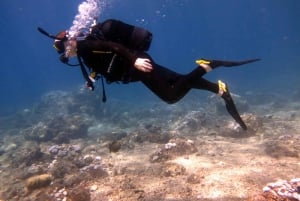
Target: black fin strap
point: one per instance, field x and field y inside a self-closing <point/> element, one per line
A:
<point x="85" y="74"/>
<point x="103" y="90"/>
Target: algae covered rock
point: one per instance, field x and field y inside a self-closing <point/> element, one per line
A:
<point x="38" y="181"/>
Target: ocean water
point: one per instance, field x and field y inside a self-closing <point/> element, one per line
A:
<point x="184" y="30"/>
<point x="58" y="141"/>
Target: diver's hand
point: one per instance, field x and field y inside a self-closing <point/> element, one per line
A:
<point x="143" y="65"/>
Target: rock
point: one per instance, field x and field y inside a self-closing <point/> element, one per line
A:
<point x="172" y="170"/>
<point x="62" y="153"/>
<point x="93" y="188"/>
<point x="65" y="150"/>
<point x="34" y="170"/>
<point x="193" y="179"/>
<point x="75" y="147"/>
<point x="281" y="190"/>
<point x="88" y="159"/>
<point x="60" y="168"/>
<point x="38" y="181"/>
<point x="53" y="150"/>
<point x="73" y="179"/>
<point x="58" y="129"/>
<point x="80" y="194"/>
<point x="175" y="147"/>
<point x="28" y="155"/>
<point x="10" y="147"/>
<point x="114" y="146"/>
<point x="142" y="135"/>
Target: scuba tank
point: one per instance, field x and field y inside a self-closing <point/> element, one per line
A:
<point x="130" y="36"/>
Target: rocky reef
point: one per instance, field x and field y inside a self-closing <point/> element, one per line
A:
<point x="71" y="147"/>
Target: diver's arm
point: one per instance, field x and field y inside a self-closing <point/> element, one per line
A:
<point x="141" y="64"/>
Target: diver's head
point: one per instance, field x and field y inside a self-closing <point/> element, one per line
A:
<point x="59" y="41"/>
<point x="65" y="45"/>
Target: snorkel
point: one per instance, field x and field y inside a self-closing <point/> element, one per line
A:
<point x="42" y="31"/>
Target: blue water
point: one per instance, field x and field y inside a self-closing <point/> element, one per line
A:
<point x="184" y="30"/>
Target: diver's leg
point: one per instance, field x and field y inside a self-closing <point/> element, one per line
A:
<point x="222" y="90"/>
<point x="212" y="64"/>
<point x="162" y="81"/>
<point x="230" y="106"/>
<point x="166" y="84"/>
<point x="171" y="87"/>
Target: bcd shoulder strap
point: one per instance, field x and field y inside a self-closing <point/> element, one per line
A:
<point x="90" y="83"/>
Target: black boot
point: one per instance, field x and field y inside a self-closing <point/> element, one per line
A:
<point x="216" y="63"/>
<point x="230" y="106"/>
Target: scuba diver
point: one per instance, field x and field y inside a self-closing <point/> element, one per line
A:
<point x="117" y="51"/>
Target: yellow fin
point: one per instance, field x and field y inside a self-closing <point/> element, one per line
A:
<point x="202" y="61"/>
<point x="222" y="86"/>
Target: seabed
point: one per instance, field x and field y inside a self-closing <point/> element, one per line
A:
<point x="71" y="147"/>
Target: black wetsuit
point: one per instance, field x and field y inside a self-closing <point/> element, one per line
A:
<point x="116" y="63"/>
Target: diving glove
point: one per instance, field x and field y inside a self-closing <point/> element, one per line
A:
<point x="230" y="106"/>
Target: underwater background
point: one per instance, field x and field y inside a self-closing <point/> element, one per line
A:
<point x="184" y="30"/>
<point x="60" y="142"/>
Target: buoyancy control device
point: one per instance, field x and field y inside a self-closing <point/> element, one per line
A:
<point x="132" y="37"/>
